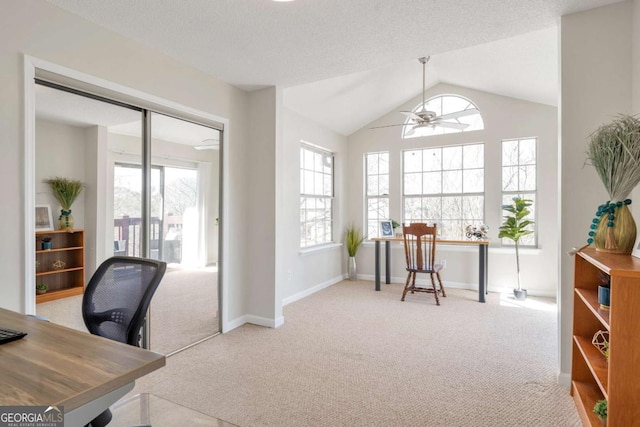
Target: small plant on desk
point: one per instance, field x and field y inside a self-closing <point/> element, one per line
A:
<point x="41" y="289"/>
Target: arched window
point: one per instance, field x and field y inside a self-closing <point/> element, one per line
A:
<point x="453" y="114"/>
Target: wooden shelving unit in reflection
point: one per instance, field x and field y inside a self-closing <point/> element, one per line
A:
<point x="592" y="377"/>
<point x="68" y="247"/>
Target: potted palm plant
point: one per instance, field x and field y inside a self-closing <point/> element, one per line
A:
<point x="66" y="192"/>
<point x="514" y="228"/>
<point x="354" y="239"/>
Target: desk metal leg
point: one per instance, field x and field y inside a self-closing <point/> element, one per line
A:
<point x="377" y="268"/>
<point x="482" y="271"/>
<point x="387" y="264"/>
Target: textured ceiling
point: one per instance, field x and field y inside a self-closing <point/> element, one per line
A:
<point x="257" y="43"/>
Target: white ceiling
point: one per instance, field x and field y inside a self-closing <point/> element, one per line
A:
<point x="491" y="45"/>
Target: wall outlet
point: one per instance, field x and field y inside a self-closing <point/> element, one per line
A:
<point x="443" y="262"/>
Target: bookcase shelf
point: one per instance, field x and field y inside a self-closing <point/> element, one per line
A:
<point x="592" y="377"/>
<point x="66" y="278"/>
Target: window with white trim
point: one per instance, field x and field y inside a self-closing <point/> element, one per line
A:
<point x="519" y="179"/>
<point x="316" y="196"/>
<point x="444" y="185"/>
<point x="377" y="191"/>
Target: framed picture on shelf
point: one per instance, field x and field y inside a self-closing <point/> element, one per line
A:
<point x="386" y="229"/>
<point x="44" y="220"/>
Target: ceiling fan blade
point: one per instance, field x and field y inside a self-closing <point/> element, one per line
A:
<point x="452" y="125"/>
<point x="412" y="115"/>
<point x="388" y="126"/>
<point x="457" y="114"/>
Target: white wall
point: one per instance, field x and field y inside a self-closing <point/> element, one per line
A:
<point x="60" y="151"/>
<point x="41" y="30"/>
<point x="596" y="84"/>
<point x="524" y="119"/>
<point x="310" y="270"/>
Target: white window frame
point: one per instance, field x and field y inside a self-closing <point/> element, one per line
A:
<point x="508" y="195"/>
<point x="373" y="224"/>
<point x="442" y="195"/>
<point x="305" y="219"/>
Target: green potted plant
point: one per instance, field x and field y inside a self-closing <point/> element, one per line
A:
<point x="514" y="228"/>
<point x="600" y="410"/>
<point x="396" y="225"/>
<point x="354" y="239"/>
<point x="614" y="152"/>
<point x="41" y="289"/>
<point x="66" y="192"/>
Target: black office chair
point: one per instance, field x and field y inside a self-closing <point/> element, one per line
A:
<point x="116" y="301"/>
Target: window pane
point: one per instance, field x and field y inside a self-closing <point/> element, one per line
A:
<point x="413" y="183"/>
<point x="383" y="185"/>
<point x="372" y="164"/>
<point x="451" y="229"/>
<point x="452" y="158"/>
<point x="432" y="207"/>
<point x="383" y="159"/>
<point x="527" y="178"/>
<point x="510" y="178"/>
<point x="473" y="208"/>
<point x="433" y="159"/>
<point x="527" y="152"/>
<point x="452" y="181"/>
<point x="412" y="209"/>
<point x="308" y="182"/>
<point x="473" y="156"/>
<point x="509" y="153"/>
<point x="413" y="161"/>
<point x="451" y="207"/>
<point x="372" y="185"/>
<point x="432" y="183"/>
<point x="473" y="181"/>
<point x="328" y="186"/>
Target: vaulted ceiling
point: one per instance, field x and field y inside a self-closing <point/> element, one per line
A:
<point x="346" y="62"/>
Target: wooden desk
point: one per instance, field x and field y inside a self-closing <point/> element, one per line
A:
<point x="483" y="258"/>
<point x="55" y="365"/>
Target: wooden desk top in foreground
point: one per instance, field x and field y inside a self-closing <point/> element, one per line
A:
<point x="442" y="241"/>
<point x="55" y="365"/>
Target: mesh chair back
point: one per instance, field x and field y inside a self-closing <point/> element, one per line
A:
<point x="118" y="295"/>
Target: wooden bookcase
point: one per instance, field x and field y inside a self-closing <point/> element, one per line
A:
<point x="592" y="377"/>
<point x="68" y="247"/>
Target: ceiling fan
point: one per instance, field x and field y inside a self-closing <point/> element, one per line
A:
<point x="425" y="118"/>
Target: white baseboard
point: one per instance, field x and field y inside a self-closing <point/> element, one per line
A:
<point x="456" y="285"/>
<point x="313" y="290"/>
<point x="254" y="320"/>
<point x="564" y="379"/>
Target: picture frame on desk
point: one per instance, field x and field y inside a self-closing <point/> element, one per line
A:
<point x="386" y="229"/>
<point x="44" y="220"/>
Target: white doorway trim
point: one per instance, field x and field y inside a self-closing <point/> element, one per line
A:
<point x="31" y="66"/>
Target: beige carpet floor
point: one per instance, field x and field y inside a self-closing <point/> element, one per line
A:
<point x="350" y="356"/>
<point x="184" y="309"/>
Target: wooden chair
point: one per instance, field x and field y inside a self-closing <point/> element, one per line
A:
<point x="420" y="253"/>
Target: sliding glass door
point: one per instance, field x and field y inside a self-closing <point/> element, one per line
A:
<point x="182" y="226"/>
<point x="152" y="185"/>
